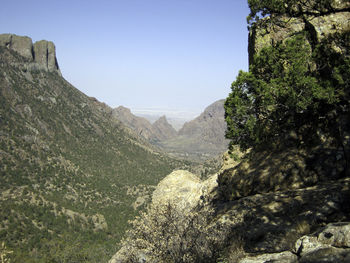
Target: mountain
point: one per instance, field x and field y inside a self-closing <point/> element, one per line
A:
<point x="71" y="173"/>
<point x="285" y="201"/>
<point x="138" y="124"/>
<point x="203" y="137"/>
<point x="164" y="129"/>
<point x="159" y="130"/>
<point x="200" y="139"/>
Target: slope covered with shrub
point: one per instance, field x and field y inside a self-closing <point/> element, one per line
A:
<point x="70" y="173"/>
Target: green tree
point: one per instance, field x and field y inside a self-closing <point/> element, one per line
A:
<point x="290" y="87"/>
<point x="293" y="8"/>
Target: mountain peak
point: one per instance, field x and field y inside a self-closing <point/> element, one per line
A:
<point x="164" y="129"/>
<point x="40" y="56"/>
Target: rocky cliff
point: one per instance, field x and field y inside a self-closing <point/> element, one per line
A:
<point x="279" y="204"/>
<point x="322" y="24"/>
<point x="39" y="56"/>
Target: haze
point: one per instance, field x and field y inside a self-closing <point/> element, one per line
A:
<point x="144" y="54"/>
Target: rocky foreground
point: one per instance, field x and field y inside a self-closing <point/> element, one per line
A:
<point x="191" y="221"/>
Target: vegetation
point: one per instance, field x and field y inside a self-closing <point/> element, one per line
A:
<point x="165" y="233"/>
<point x="292" y="87"/>
<point x="292" y="8"/>
<point x="66" y="167"/>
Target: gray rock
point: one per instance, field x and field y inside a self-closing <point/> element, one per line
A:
<point x="328" y="254"/>
<point x="286" y="257"/>
<point x="333" y="235"/>
<point x="45" y="55"/>
<point x="21" y="44"/>
<point x="41" y="55"/>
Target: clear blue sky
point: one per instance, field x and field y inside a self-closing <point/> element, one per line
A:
<point x="178" y="54"/>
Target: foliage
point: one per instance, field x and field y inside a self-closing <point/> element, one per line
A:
<point x="165" y="233"/>
<point x="293" y="8"/>
<point x="65" y="162"/>
<point x="290" y="88"/>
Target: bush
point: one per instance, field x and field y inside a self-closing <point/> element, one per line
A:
<point x="167" y="234"/>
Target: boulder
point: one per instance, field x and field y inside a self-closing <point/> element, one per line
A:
<point x="286" y="257"/>
<point x="333" y="235"/>
<point x="183" y="189"/>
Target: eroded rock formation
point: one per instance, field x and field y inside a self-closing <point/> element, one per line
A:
<point x="40" y="56"/>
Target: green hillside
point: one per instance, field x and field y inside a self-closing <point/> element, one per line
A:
<point x="69" y="171"/>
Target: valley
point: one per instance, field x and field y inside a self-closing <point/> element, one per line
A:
<point x="72" y="174"/>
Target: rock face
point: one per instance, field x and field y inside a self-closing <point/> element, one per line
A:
<point x="45" y="54"/>
<point x="40" y="56"/>
<point x="183" y="189"/>
<point x="282" y="169"/>
<point x="322" y="24"/>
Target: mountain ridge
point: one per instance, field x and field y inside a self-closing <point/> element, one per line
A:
<point x="199" y="139"/>
<point x="71" y="173"/>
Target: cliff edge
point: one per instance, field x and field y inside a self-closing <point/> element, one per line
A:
<point x="39" y="56"/>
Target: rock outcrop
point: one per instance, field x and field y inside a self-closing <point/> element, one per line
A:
<point x="321" y="24"/>
<point x="183" y="189"/>
<point x="40" y="56"/>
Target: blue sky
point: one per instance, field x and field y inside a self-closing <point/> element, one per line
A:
<point x="176" y="54"/>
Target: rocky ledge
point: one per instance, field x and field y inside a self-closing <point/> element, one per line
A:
<point x="189" y="221"/>
<point x="40" y="56"/>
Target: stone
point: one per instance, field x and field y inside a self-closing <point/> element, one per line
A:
<point x="45" y="55"/>
<point x="183" y="189"/>
<point x="21" y="44"/>
<point x="333" y="235"/>
<point x="40" y="56"/>
<point x="328" y="254"/>
<point x="286" y="257"/>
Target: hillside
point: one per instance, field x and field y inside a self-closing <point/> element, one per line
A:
<point x="71" y="173"/>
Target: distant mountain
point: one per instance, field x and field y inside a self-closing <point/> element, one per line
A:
<point x="138" y="124"/>
<point x="203" y="137"/>
<point x="164" y="129"/>
<point x="158" y="131"/>
<point x="199" y="139"/>
<point x="71" y="174"/>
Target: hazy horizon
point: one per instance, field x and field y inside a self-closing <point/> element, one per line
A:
<point x="181" y="55"/>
